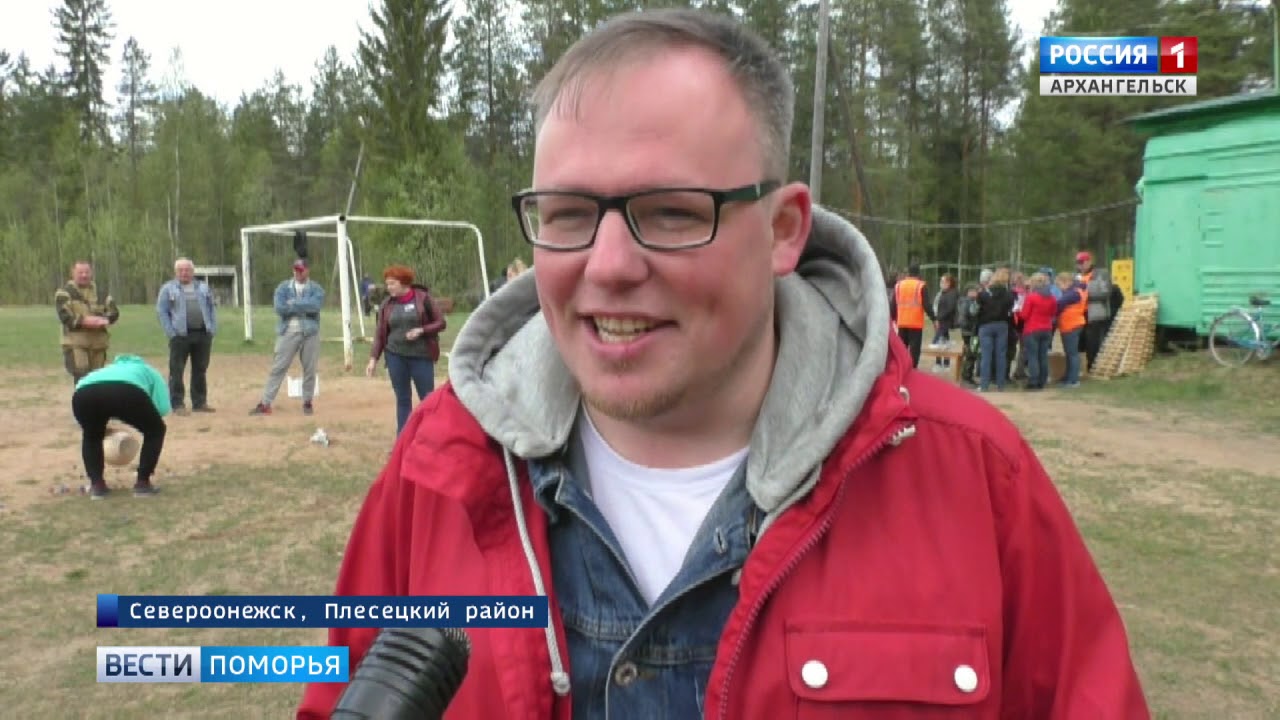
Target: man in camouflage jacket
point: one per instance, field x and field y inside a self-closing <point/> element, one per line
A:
<point x="85" y="316"/>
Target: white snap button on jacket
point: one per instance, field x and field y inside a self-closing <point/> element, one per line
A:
<point x="626" y="674"/>
<point x="814" y="674"/>
<point x="966" y="679"/>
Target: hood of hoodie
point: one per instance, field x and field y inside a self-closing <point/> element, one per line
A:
<point x="833" y="322"/>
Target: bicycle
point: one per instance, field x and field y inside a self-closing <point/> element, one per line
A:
<point x="1240" y="335"/>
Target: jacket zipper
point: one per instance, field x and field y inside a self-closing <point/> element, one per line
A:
<point x="791" y="563"/>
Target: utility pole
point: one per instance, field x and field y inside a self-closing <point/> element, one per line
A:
<point x="819" y="103"/>
<point x="1275" y="44"/>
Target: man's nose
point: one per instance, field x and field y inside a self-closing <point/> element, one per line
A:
<point x="615" y="257"/>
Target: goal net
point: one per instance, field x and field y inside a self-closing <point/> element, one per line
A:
<point x="446" y="255"/>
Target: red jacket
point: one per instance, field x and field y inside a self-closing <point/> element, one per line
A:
<point x="920" y="563"/>
<point x="1038" y="312"/>
<point x="430" y="317"/>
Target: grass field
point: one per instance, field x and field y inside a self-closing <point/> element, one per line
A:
<point x="1173" y="476"/>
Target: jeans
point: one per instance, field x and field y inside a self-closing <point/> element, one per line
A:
<point x="197" y="345"/>
<point x="993" y="338"/>
<point x="406" y="369"/>
<point x="1071" y="348"/>
<point x="1035" y="347"/>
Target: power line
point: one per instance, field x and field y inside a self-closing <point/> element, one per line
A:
<point x="979" y="226"/>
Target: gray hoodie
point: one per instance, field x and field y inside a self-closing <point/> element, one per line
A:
<point x="833" y="320"/>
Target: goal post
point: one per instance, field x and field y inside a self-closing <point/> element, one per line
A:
<point x="348" y="272"/>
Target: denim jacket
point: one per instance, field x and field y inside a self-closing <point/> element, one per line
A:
<point x="171" y="308"/>
<point x="631" y="660"/>
<point x="305" y="306"/>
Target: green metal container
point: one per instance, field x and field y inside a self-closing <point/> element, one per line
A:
<point x="1207" y="233"/>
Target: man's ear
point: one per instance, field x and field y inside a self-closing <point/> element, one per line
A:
<point x="792" y="222"/>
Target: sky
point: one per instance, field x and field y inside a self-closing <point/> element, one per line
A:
<point x="230" y="47"/>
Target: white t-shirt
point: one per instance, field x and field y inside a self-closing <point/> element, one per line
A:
<point x="654" y="513"/>
<point x="294" y="322"/>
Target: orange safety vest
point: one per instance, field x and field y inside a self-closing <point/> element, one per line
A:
<point x="1073" y="316"/>
<point x="909" y="296"/>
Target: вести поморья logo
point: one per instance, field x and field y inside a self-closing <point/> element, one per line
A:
<point x="1118" y="65"/>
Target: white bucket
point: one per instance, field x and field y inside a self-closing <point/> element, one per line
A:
<point x="295" y="386"/>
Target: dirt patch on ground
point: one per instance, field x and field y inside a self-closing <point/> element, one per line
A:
<point x="1095" y="432"/>
<point x="40" y="440"/>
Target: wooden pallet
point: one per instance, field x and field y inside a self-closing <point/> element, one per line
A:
<point x="1131" y="343"/>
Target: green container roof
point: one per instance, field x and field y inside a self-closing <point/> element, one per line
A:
<point x="1206" y="111"/>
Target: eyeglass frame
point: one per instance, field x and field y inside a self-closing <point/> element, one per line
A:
<point x="605" y="203"/>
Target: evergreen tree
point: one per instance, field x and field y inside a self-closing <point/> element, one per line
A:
<point x="404" y="63"/>
<point x="137" y="100"/>
<point x="84" y="36"/>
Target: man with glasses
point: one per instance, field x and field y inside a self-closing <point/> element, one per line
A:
<point x="692" y="429"/>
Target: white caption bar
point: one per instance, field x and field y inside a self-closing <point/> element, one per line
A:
<point x="1118" y="85"/>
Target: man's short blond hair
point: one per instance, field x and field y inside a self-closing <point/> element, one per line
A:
<point x="759" y="72"/>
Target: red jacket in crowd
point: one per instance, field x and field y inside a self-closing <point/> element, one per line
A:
<point x="1038" y="312"/>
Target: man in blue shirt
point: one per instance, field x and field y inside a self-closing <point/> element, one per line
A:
<point x="185" y="308"/>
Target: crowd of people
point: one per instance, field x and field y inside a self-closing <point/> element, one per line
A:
<point x="1007" y="321"/>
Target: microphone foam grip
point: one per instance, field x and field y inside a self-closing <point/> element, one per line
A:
<point x="406" y="673"/>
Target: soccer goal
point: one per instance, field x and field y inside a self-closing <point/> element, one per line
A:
<point x="346" y="263"/>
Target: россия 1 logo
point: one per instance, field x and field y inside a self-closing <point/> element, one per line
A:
<point x="1118" y="65"/>
<point x="1179" y="55"/>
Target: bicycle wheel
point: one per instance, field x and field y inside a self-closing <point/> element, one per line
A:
<point x="1234" y="338"/>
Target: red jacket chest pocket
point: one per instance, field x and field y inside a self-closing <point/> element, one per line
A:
<point x="851" y="669"/>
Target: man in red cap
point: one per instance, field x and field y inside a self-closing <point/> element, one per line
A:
<point x="297" y="302"/>
<point x="1098" y="290"/>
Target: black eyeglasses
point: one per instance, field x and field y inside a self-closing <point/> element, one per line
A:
<point x="660" y="219"/>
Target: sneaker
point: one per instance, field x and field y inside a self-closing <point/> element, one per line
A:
<point x="181" y="410"/>
<point x="203" y="409"/>
<point x="98" y="491"/>
<point x="261" y="409"/>
<point x="145" y="489"/>
<point x="307" y="409"/>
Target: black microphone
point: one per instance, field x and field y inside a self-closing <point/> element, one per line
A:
<point x="407" y="673"/>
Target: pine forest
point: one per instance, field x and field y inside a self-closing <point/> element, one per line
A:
<point x="935" y="139"/>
